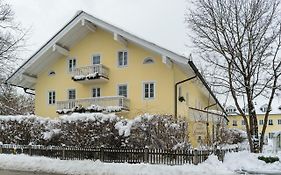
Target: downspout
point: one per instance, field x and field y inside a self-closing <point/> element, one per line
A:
<point x="176" y="93"/>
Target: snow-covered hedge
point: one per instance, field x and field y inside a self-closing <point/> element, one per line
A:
<point x="95" y="129"/>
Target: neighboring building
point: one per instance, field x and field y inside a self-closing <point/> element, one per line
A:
<point x="274" y="122"/>
<point x="91" y="62"/>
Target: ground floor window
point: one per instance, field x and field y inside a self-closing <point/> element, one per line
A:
<point x="261" y="122"/>
<point x="234" y="123"/>
<point x="71" y="94"/>
<point x="123" y="90"/>
<point x="279" y="121"/>
<point x="270" y="122"/>
<point x="96" y="92"/>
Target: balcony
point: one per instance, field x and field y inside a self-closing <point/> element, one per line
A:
<point x="97" y="104"/>
<point x="95" y="73"/>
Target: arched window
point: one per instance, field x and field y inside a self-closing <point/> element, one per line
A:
<point x="52" y="73"/>
<point x="148" y="60"/>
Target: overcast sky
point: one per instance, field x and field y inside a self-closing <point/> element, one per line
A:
<point x="159" y="21"/>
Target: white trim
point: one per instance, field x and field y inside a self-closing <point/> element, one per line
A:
<point x="60" y="49"/>
<point x="120" y="39"/>
<point x="122" y="84"/>
<point x="29" y="78"/>
<point x="117" y="53"/>
<point x="90" y="26"/>
<point x="167" y="61"/>
<point x="143" y="90"/>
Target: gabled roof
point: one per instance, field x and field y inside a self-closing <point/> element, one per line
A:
<point x="77" y="28"/>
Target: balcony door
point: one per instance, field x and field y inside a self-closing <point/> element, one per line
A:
<point x="71" y="98"/>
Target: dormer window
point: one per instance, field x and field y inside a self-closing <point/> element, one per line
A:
<point x="148" y="60"/>
<point x="245" y="109"/>
<point x="263" y="108"/>
<point x="231" y="109"/>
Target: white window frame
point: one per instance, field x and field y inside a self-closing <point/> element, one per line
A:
<point x="234" y="123"/>
<point x="122" y="84"/>
<point x="68" y="90"/>
<point x="68" y="63"/>
<point x="261" y="122"/>
<point x="54" y="101"/>
<point x="92" y="58"/>
<point x="92" y="91"/>
<point x="243" y="122"/>
<point x="279" y="121"/>
<point x="121" y="66"/>
<point x="143" y="90"/>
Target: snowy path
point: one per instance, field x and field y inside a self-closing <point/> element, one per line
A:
<point x="232" y="162"/>
<point x="6" y="172"/>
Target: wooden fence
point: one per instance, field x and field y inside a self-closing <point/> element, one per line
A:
<point x="118" y="155"/>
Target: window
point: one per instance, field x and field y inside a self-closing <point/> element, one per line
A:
<point x="122" y="58"/>
<point x="148" y="60"/>
<point x="71" y="94"/>
<point x="270" y="135"/>
<point x="52" y="73"/>
<point x="71" y="65"/>
<point x="96" y="59"/>
<point x="149" y="90"/>
<point x="123" y="90"/>
<point x="96" y="92"/>
<point x="243" y="122"/>
<point x="234" y="123"/>
<point x="270" y="122"/>
<point x="263" y="108"/>
<point x="230" y="109"/>
<point x="279" y="121"/>
<point x="261" y="122"/>
<point x="51" y="97"/>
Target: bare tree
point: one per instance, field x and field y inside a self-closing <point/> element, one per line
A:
<point x="11" y="39"/>
<point x="241" y="39"/>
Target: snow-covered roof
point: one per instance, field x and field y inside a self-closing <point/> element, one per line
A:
<point x="260" y="104"/>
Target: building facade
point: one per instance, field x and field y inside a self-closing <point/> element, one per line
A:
<point x="92" y="64"/>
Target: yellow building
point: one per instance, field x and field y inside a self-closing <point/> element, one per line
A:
<point x="91" y="62"/>
<point x="274" y="122"/>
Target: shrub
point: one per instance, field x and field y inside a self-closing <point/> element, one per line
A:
<point x="268" y="159"/>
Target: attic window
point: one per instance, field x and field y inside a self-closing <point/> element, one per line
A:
<point x="52" y="73"/>
<point x="245" y="109"/>
<point x="264" y="108"/>
<point x="148" y="60"/>
<point x="231" y="109"/>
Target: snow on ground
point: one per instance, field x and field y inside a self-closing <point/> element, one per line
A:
<point x="233" y="162"/>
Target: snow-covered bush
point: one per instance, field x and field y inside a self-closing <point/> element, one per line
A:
<point x="231" y="136"/>
<point x="23" y="129"/>
<point x="89" y="129"/>
<point x="153" y="131"/>
<point x="96" y="130"/>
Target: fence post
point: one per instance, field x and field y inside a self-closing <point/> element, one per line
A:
<point x="29" y="150"/>
<point x="63" y="152"/>
<point x="195" y="157"/>
<point x="236" y="149"/>
<point x="219" y="154"/>
<point x="101" y="154"/>
<point x="146" y="157"/>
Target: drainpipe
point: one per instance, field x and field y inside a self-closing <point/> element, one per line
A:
<point x="176" y="93"/>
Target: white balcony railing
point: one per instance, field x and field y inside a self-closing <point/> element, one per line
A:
<point x="89" y="71"/>
<point x="118" y="101"/>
